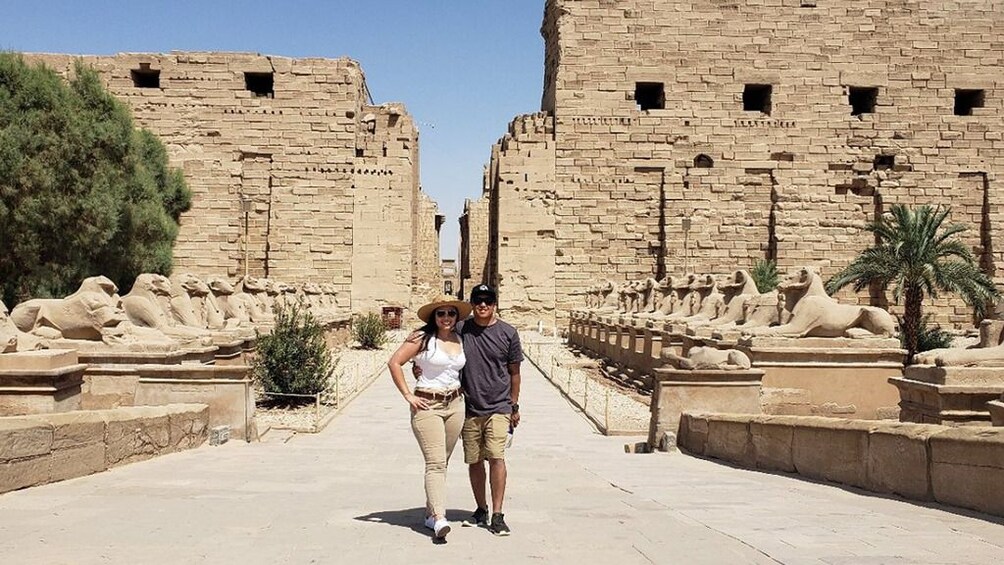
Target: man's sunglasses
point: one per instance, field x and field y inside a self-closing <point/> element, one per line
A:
<point x="446" y="313"/>
<point x="485" y="301"/>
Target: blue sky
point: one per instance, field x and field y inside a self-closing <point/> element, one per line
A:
<point x="464" y="68"/>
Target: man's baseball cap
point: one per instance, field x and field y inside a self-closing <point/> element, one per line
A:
<point x="483" y="291"/>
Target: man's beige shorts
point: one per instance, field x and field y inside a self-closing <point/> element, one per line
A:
<point x="484" y="437"/>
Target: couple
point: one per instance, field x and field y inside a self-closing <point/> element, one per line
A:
<point x="468" y="386"/>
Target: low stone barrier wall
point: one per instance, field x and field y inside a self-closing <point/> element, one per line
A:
<point x="46" y="448"/>
<point x="958" y="466"/>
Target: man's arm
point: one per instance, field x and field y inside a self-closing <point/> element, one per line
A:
<point x="514" y="379"/>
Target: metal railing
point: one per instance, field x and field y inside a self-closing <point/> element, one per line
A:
<point x="611" y="410"/>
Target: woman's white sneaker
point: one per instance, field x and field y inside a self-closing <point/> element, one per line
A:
<point x="441" y="527"/>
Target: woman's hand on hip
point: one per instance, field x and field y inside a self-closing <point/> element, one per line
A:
<point x="416" y="403"/>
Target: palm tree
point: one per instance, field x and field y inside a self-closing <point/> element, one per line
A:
<point x="920" y="257"/>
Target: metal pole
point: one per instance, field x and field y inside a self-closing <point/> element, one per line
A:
<point x="606" y="411"/>
<point x="338" y="399"/>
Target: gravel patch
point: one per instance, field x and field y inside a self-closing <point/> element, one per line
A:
<point x="355" y="370"/>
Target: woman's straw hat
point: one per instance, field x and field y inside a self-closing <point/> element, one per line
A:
<point x="426" y="312"/>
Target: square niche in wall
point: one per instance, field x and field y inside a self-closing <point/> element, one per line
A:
<point x="968" y="99"/>
<point x="145" y="77"/>
<point x="262" y="85"/>
<point x="757" y="98"/>
<point x="650" y="95"/>
<point x="862" y="99"/>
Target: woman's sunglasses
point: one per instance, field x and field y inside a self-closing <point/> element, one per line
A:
<point x="446" y="313"/>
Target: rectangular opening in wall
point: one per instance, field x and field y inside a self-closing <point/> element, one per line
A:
<point x="884" y="162"/>
<point x="650" y="95"/>
<point x="756" y="98"/>
<point x="863" y="99"/>
<point x="967" y="99"/>
<point x="260" y="84"/>
<point x="145" y="77"/>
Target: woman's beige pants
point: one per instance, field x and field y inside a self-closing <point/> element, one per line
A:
<point x="437" y="430"/>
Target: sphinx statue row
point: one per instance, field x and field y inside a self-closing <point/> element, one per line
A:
<point x="158" y="314"/>
<point x="799" y="308"/>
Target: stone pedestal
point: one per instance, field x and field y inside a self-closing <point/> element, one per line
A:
<point x="677" y="391"/>
<point x="949" y="395"/>
<point x="839" y="377"/>
<point x="40" y="382"/>
<point x="228" y="352"/>
<point x="226" y="389"/>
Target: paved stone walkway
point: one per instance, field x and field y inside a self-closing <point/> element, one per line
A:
<point x="352" y="494"/>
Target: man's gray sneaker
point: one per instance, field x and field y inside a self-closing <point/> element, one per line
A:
<point x="498" y="525"/>
<point x="479" y="518"/>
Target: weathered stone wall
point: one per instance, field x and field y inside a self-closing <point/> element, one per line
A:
<point x="958" y="466"/>
<point x="451" y="277"/>
<point x="332" y="180"/>
<point x="794" y="176"/>
<point x="473" y="244"/>
<point x="384" y="243"/>
<point x="428" y="280"/>
<point x="521" y="192"/>
<point x="46" y="448"/>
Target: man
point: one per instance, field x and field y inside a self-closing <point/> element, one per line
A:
<point x="491" y="382"/>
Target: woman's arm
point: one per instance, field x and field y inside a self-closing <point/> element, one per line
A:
<point x="406" y="353"/>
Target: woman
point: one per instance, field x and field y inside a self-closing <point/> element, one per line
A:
<point x="437" y="405"/>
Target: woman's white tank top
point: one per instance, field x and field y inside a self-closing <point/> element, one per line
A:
<point x="440" y="370"/>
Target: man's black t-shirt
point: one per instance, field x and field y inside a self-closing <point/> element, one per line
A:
<point x="485" y="377"/>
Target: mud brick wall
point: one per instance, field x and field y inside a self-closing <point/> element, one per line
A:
<point x="331" y="179"/>
<point x="657" y="119"/>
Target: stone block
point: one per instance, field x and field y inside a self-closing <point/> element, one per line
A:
<point x="188" y="428"/>
<point x="773" y="438"/>
<point x="135" y="434"/>
<point x="41" y="360"/>
<point x="996" y="409"/>
<point x="22" y="473"/>
<point x="729" y="439"/>
<point x="898" y="459"/>
<point x="79" y="461"/>
<point x="693" y="433"/>
<point x="831" y="449"/>
<point x="72" y="429"/>
<point x="21" y="438"/>
<point x="967" y="468"/>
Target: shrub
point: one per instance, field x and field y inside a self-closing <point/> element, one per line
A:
<point x="294" y="358"/>
<point x="928" y="337"/>
<point x="765" y="275"/>
<point x="370" y="331"/>
<point x="82" y="191"/>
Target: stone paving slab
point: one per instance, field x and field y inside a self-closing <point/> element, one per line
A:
<point x="353" y="494"/>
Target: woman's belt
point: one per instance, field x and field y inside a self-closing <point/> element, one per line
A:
<point x="443" y="396"/>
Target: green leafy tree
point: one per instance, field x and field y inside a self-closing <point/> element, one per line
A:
<point x="293" y="358"/>
<point x="82" y="190"/>
<point x="920" y="256"/>
<point x="765" y="275"/>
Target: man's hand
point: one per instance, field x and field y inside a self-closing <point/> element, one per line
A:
<point x="514" y="419"/>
